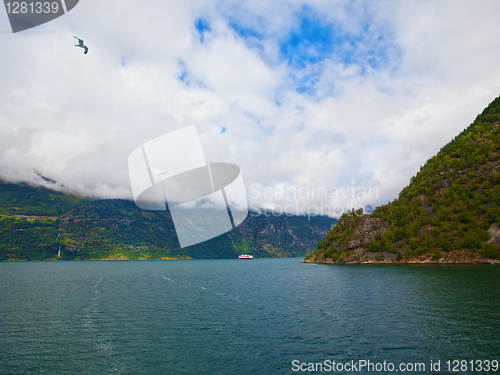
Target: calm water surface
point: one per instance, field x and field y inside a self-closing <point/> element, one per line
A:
<point x="240" y="317"/>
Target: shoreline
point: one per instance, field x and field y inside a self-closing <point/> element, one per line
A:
<point x="362" y="257"/>
<point x="119" y="259"/>
<point x="478" y="262"/>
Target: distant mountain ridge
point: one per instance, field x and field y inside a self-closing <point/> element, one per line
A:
<point x="35" y="223"/>
<point x="449" y="213"/>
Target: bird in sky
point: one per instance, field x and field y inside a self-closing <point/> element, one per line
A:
<point x="162" y="173"/>
<point x="81" y="45"/>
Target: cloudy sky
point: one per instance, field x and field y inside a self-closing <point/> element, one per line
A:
<point x="306" y="97"/>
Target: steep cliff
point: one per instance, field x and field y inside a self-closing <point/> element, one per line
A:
<point x="283" y="236"/>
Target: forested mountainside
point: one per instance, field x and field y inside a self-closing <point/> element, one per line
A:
<point x="449" y="213"/>
<point x="35" y="223"/>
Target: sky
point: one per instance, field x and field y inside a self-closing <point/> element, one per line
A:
<point x="324" y="105"/>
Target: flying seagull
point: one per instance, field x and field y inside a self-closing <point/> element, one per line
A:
<point x="162" y="173"/>
<point x="81" y="45"/>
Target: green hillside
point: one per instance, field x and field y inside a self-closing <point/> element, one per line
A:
<point x="450" y="211"/>
<point x="36" y="222"/>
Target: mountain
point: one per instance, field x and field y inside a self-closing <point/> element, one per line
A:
<point x="36" y="222"/>
<point x="449" y="213"/>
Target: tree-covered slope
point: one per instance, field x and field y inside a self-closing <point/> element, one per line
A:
<point x="450" y="211"/>
<point x="35" y="223"/>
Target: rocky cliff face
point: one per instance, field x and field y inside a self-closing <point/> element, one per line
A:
<point x="283" y="236"/>
<point x="368" y="229"/>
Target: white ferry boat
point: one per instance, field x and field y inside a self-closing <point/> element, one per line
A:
<point x="245" y="256"/>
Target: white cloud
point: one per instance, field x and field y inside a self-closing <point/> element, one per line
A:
<point x="76" y="118"/>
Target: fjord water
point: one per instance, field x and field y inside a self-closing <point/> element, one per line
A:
<point x="240" y="317"/>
